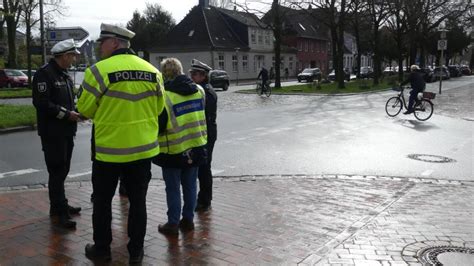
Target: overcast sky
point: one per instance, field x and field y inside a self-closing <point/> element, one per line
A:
<point x="89" y="14"/>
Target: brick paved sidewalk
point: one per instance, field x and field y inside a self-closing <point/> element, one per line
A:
<point x="259" y="220"/>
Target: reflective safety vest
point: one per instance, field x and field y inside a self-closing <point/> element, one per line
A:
<point x="124" y="96"/>
<point x="186" y="126"/>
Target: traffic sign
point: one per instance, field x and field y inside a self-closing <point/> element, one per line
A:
<point x="442" y="45"/>
<point x="60" y="34"/>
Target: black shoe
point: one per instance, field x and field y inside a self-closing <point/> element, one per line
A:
<point x="136" y="259"/>
<point x="168" y="229"/>
<point x="186" y="225"/>
<point x="202" y="207"/>
<point x="64" y="221"/>
<point x="93" y="253"/>
<point x="73" y="210"/>
<point x="408" y="112"/>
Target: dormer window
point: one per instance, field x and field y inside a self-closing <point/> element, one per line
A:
<point x="191" y="33"/>
<point x="301" y="26"/>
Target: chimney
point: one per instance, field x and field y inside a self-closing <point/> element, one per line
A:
<point x="204" y="3"/>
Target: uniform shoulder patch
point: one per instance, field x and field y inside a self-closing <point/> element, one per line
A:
<point x="42" y="86"/>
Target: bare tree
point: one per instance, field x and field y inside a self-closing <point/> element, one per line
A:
<point x="397" y="24"/>
<point x="11" y="10"/>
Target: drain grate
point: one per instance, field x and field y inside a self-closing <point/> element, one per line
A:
<point x="431" y="158"/>
<point x="429" y="256"/>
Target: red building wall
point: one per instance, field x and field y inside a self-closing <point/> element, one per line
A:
<point x="310" y="52"/>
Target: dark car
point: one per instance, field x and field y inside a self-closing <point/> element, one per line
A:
<point x="332" y="75"/>
<point x="428" y="74"/>
<point x="219" y="79"/>
<point x="310" y="74"/>
<point x="365" y="73"/>
<point x="454" y="71"/>
<point x="465" y="70"/>
<point x="441" y="71"/>
<point x="11" y="78"/>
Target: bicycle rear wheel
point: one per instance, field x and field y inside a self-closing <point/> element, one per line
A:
<point x="393" y="106"/>
<point x="268" y="90"/>
<point x="258" y="88"/>
<point x="424" y="110"/>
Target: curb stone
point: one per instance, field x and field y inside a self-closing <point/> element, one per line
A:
<point x="17" y="129"/>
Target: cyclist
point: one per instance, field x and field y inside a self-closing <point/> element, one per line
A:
<point x="264" y="74"/>
<point x="417" y="85"/>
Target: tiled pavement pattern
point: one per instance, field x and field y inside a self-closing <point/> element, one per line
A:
<point x="257" y="220"/>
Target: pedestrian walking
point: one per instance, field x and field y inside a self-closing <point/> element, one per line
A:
<point x="182" y="145"/>
<point x="123" y="95"/>
<point x="53" y="98"/>
<point x="417" y="85"/>
<point x="200" y="74"/>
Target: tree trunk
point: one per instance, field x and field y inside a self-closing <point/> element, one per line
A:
<point x="376" y="55"/>
<point x="28" y="52"/>
<point x="340" y="47"/>
<point x="277" y="35"/>
<point x="11" y="31"/>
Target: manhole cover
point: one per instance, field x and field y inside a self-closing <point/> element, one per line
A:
<point x="430" y="158"/>
<point x="446" y="255"/>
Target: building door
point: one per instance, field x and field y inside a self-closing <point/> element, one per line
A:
<point x="259" y="62"/>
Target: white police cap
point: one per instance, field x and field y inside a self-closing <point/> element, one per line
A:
<point x="64" y="47"/>
<point x="113" y="31"/>
<point x="197" y="65"/>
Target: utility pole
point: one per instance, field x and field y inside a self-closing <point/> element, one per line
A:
<point x="43" y="46"/>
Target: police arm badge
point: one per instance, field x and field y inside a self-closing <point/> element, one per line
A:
<point x="42" y="87"/>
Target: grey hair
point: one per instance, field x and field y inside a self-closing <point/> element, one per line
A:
<point x="171" y="68"/>
<point x="124" y="43"/>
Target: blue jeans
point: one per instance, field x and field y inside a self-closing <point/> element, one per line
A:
<point x="187" y="178"/>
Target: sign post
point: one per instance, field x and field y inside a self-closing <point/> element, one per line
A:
<point x="442" y="44"/>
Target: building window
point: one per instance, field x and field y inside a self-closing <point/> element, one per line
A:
<point x="305" y="46"/>
<point x="235" y="63"/>
<point x="253" y="36"/>
<point x="290" y="63"/>
<point x="300" y="46"/>
<point x="260" y="37"/>
<point x="273" y="61"/>
<point x="245" y="63"/>
<point x="312" y="46"/>
<point x="282" y="62"/>
<point x="267" y="39"/>
<point x="221" y="61"/>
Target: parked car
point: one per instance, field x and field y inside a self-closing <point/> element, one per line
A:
<point x="332" y="75"/>
<point x="454" y="71"/>
<point x="428" y="74"/>
<point x="365" y="73"/>
<point x="441" y="71"/>
<point x="388" y="71"/>
<point x="11" y="78"/>
<point x="25" y="71"/>
<point x="465" y="70"/>
<point x="219" y="79"/>
<point x="310" y="74"/>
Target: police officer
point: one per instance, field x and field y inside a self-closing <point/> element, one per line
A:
<point x="123" y="95"/>
<point x="53" y="97"/>
<point x="200" y="74"/>
<point x="417" y="83"/>
<point x="182" y="145"/>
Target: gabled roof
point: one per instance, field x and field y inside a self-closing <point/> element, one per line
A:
<point x="243" y="17"/>
<point x="303" y="23"/>
<point x="202" y="29"/>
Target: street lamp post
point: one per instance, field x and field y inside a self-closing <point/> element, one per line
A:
<point x="442" y="44"/>
<point x="43" y="47"/>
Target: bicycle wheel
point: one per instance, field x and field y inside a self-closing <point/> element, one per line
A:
<point x="393" y="106"/>
<point x="268" y="90"/>
<point x="258" y="88"/>
<point x="424" y="110"/>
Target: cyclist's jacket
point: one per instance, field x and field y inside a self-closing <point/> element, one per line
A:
<point x="416" y="81"/>
<point x="123" y="94"/>
<point x="185" y="134"/>
<point x="53" y="97"/>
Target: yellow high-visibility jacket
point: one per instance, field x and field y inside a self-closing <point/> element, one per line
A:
<point x="123" y="95"/>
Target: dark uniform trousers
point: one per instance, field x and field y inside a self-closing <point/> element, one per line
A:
<point x="57" y="153"/>
<point x="205" y="177"/>
<point x="105" y="176"/>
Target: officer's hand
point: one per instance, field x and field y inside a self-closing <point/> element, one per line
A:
<point x="74" y="116"/>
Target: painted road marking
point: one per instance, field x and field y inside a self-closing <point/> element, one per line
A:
<point x="18" y="172"/>
<point x="80" y="174"/>
<point x="216" y="171"/>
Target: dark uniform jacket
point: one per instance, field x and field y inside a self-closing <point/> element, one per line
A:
<point x="416" y="81"/>
<point x="211" y="112"/>
<point x="53" y="97"/>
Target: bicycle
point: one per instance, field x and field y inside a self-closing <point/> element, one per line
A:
<point x="267" y="89"/>
<point x="423" y="106"/>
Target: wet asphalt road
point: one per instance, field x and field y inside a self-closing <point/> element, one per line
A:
<point x="301" y="135"/>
